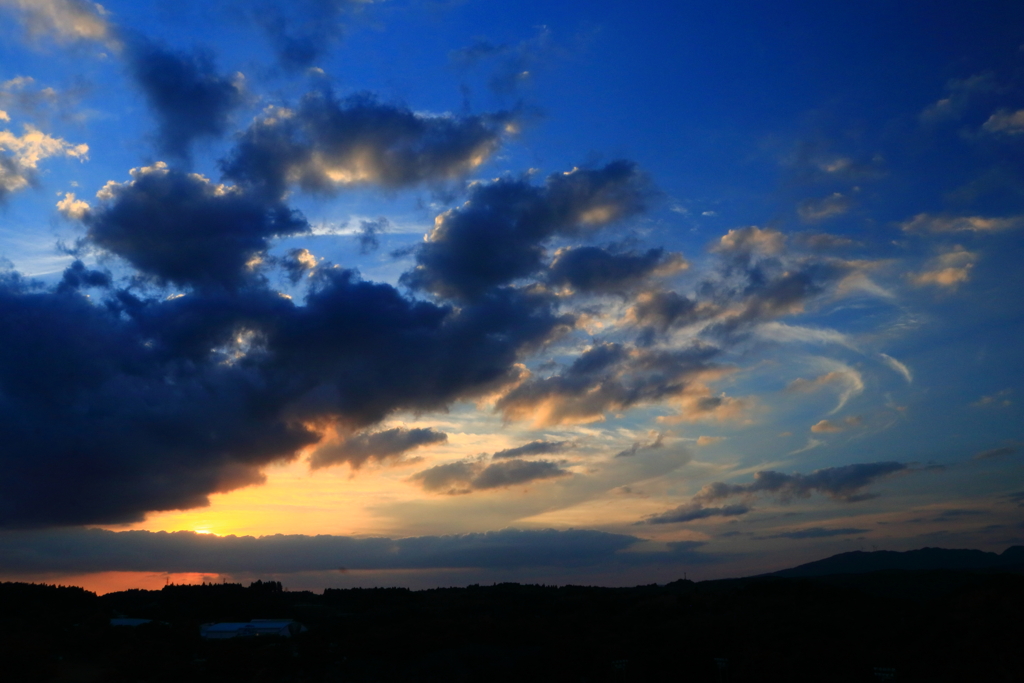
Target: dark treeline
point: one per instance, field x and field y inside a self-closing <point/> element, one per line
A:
<point x="927" y="625"/>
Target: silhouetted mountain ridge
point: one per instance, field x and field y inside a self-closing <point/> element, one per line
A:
<point x="925" y="559"/>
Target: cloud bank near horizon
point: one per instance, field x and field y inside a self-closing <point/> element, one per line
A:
<point x="98" y="550"/>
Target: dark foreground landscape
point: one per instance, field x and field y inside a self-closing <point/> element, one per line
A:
<point x="927" y="615"/>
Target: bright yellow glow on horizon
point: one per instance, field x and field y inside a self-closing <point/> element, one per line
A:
<point x="332" y="500"/>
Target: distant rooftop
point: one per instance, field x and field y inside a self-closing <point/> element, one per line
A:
<point x="285" y="628"/>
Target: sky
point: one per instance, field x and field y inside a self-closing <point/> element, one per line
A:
<point x="429" y="293"/>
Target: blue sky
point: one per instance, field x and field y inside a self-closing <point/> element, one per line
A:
<point x="701" y="287"/>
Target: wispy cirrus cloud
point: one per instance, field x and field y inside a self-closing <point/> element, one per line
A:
<point x="947" y="224"/>
<point x="1005" y="122"/>
<point x="835" y="426"/>
<point x="899" y="367"/>
<point x="817" y="210"/>
<point x="961" y="94"/>
<point x="993" y="453"/>
<point x="844" y="379"/>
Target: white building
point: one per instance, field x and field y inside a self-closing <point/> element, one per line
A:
<point x="285" y="628"/>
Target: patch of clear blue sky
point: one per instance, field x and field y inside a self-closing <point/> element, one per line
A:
<point x="707" y="97"/>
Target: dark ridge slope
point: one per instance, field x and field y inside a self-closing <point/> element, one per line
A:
<point x="925" y="559"/>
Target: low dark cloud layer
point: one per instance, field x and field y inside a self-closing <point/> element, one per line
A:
<point x="189" y="99"/>
<point x="498" y="235"/>
<point x="326" y="144"/>
<point x="391" y="443"/>
<point x="96" y="550"/>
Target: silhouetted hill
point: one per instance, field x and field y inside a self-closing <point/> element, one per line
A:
<point x="929" y="624"/>
<point x="925" y="559"/>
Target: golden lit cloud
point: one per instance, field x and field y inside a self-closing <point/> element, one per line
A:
<point x="947" y="270"/>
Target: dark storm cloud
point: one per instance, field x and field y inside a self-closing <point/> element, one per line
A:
<point x="373" y="351"/>
<point x="534" y="448"/>
<point x="844" y="483"/>
<point x="328" y="143"/>
<point x="467" y="476"/>
<point x="182" y="229"/>
<point x="596" y="270"/>
<point x="817" y="532"/>
<point x="664" y="310"/>
<point x="77" y="276"/>
<point x="392" y="443"/>
<point x="368" y="234"/>
<point x="140" y="404"/>
<point x="498" y="235"/>
<point x="98" y="427"/>
<point x="608" y="377"/>
<point x="689" y="512"/>
<point x="95" y="550"/>
<point x="188" y="97"/>
<point x="296" y="263"/>
<point x="302" y="31"/>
